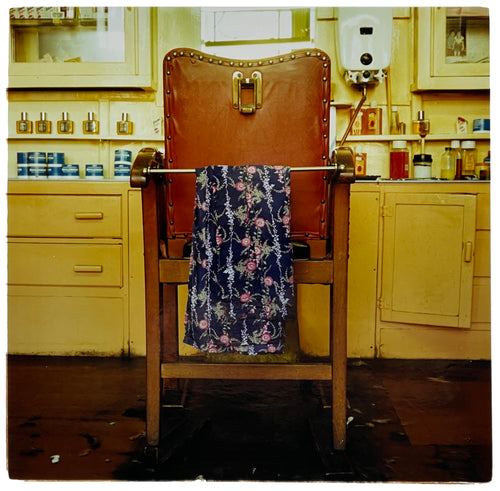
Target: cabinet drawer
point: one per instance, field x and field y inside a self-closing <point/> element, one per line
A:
<point x="65" y="264"/>
<point x="64" y="216"/>
<point x="66" y="326"/>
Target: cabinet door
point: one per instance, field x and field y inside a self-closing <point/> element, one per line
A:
<point x="87" y="47"/>
<point x="428" y="255"/>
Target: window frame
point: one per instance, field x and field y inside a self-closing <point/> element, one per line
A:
<point x="302" y="20"/>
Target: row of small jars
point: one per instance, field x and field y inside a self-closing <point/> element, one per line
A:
<point x="455" y="163"/>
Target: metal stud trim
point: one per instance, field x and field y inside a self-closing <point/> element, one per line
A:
<point x="244" y="63"/>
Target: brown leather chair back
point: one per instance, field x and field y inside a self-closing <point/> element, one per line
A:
<point x="273" y="111"/>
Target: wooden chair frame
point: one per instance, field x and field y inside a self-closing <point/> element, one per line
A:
<point x="163" y="275"/>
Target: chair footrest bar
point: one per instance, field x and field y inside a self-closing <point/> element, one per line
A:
<point x="248" y="371"/>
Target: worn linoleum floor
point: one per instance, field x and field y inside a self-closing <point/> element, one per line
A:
<point x="74" y="418"/>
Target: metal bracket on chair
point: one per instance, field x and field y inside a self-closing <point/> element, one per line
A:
<point x="247" y="92"/>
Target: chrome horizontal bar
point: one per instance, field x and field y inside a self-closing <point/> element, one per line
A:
<point x="156" y="170"/>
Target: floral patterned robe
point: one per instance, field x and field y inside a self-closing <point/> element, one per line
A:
<point x="241" y="269"/>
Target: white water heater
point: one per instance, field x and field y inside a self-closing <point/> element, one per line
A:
<point x="364" y="39"/>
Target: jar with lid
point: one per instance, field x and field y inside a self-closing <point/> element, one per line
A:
<point x="422" y="166"/>
<point x="399" y="160"/>
<point x="455" y="145"/>
<point x="448" y="164"/>
<point x="469" y="157"/>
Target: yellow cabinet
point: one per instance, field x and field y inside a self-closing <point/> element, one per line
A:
<point x="453" y="50"/>
<point x="80" y="47"/>
<point x="75" y="269"/>
<point x="428" y="259"/>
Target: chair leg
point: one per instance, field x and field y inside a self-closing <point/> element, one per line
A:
<point x="339" y="316"/>
<point x="153" y="334"/>
<point x="153" y="398"/>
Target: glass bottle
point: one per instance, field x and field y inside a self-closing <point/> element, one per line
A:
<point x="469" y="157"/>
<point x="422" y="165"/>
<point x="24" y="126"/>
<point x="394" y="120"/>
<point x="455" y="145"/>
<point x="421" y="126"/>
<point x="65" y="126"/>
<point x="399" y="160"/>
<point x="91" y="126"/>
<point x="124" y="127"/>
<point x="448" y="165"/>
<point x="42" y="126"/>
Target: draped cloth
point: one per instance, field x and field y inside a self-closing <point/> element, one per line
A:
<point x="240" y="288"/>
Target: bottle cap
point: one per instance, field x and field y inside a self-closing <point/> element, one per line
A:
<point x="65" y="116"/>
<point x="469" y="144"/>
<point x="399" y="144"/>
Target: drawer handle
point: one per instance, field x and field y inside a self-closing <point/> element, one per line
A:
<point x="78" y="268"/>
<point x="90" y="215"/>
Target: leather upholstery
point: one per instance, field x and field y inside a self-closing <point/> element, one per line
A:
<point x="291" y="128"/>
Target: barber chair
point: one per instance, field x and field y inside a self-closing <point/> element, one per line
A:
<point x="272" y="111"/>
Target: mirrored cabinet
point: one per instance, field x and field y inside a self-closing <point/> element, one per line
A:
<point x="453" y="50"/>
<point x="94" y="47"/>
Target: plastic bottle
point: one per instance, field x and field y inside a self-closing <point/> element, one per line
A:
<point x="399" y="160"/>
<point x="455" y="145"/>
<point x="469" y="157"/>
<point x="448" y="168"/>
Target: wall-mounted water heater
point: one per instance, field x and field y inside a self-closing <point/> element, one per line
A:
<point x="364" y="38"/>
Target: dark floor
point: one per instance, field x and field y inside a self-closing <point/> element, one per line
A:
<point x="408" y="421"/>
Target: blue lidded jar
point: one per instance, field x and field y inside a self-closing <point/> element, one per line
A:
<point x="122" y="155"/>
<point x="94" y="171"/>
<point x="70" y="171"/>
<point x="22" y="165"/>
<point x="37" y="165"/>
<point x="55" y="162"/>
<point x="122" y="171"/>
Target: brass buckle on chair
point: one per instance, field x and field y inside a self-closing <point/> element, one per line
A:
<point x="247" y="103"/>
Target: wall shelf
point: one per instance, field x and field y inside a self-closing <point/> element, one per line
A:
<point x="89" y="138"/>
<point x="430" y="137"/>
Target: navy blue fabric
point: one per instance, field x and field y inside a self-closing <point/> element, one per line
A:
<point x="241" y="269"/>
